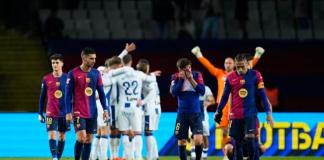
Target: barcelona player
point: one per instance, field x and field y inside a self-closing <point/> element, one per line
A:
<point x="81" y="86"/>
<point x="53" y="87"/>
<point x="244" y="85"/>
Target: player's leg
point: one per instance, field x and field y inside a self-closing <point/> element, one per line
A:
<point x="95" y="146"/>
<point x="157" y="120"/>
<point x="115" y="133"/>
<point x="103" y="143"/>
<point x="91" y="128"/>
<point x="80" y="128"/>
<point x="229" y="149"/>
<point x="196" y="126"/>
<point x="250" y="137"/>
<point x="52" y="124"/>
<point x="192" y="145"/>
<point x="124" y="127"/>
<point x="181" y="133"/>
<point x="224" y="126"/>
<point x="237" y="135"/>
<point x="205" y="136"/>
<point x="136" y="124"/>
<point x="150" y="139"/>
<point x="63" y="126"/>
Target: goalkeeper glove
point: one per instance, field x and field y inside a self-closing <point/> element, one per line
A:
<point x="196" y="51"/>
<point x="259" y="51"/>
<point x="218" y="117"/>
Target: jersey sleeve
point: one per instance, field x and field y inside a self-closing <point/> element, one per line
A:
<point x="210" y="67"/>
<point x="101" y="93"/>
<point x="200" y="88"/>
<point x="69" y="91"/>
<point x="226" y="93"/>
<point x="261" y="91"/>
<point x="123" y="54"/>
<point x="176" y="85"/>
<point x="147" y="78"/>
<point x="150" y="94"/>
<point x="255" y="61"/>
<point x="42" y="97"/>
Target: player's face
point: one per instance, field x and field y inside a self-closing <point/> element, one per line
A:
<point x="241" y="66"/>
<point x="229" y="64"/>
<point x="56" y="65"/>
<point x="89" y="60"/>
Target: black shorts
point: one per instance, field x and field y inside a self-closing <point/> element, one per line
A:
<point x="88" y="124"/>
<point x="57" y="124"/>
<point x="186" y="120"/>
<point x="240" y="127"/>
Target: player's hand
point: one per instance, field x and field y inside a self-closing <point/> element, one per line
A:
<point x="157" y="73"/>
<point x="270" y="120"/>
<point x="139" y="103"/>
<point x="259" y="51"/>
<point x="131" y="134"/>
<point x="196" y="51"/>
<point x="188" y="74"/>
<point x="218" y="117"/>
<point x="130" y="47"/>
<point x="68" y="117"/>
<point x="41" y="118"/>
<point x="182" y="74"/>
<point x="105" y="116"/>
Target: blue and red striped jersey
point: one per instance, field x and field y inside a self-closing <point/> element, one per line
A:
<point x="188" y="97"/>
<point x="80" y="94"/>
<point x="244" y="90"/>
<point x="53" y="89"/>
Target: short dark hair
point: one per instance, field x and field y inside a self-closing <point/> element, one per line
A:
<point x="183" y="62"/>
<point x="240" y="57"/>
<point x="248" y="56"/>
<point x="87" y="51"/>
<point x="112" y="61"/>
<point x="142" y="65"/>
<point x="127" y="58"/>
<point x="56" y="56"/>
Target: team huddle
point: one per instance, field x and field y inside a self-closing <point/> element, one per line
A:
<point x="118" y="103"/>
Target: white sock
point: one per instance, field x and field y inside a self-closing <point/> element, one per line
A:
<point x="138" y="144"/>
<point x="103" y="147"/>
<point x="155" y="149"/>
<point x="95" y="148"/>
<point x="192" y="152"/>
<point x="149" y="147"/>
<point x="204" y="153"/>
<point x="128" y="148"/>
<point x="114" y="147"/>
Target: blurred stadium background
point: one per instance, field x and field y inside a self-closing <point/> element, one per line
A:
<point x="291" y="31"/>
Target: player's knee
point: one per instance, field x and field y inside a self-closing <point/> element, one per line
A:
<point x="52" y="135"/>
<point x="228" y="150"/>
<point x="182" y="142"/>
<point x="61" y="136"/>
<point x="198" y="139"/>
<point x="82" y="138"/>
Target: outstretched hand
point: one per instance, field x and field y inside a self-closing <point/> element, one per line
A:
<point x="130" y="47"/>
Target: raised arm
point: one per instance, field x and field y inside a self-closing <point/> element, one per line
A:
<point x="128" y="48"/>
<point x="259" y="51"/>
<point x="205" y="62"/>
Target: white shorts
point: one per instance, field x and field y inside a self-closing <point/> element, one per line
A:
<point x="100" y="121"/>
<point x="114" y="113"/>
<point x="205" y="123"/>
<point x="130" y="117"/>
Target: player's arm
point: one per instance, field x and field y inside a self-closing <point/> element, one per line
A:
<point x="222" y="103"/>
<point x="197" y="84"/>
<point x="128" y="48"/>
<point x="41" y="104"/>
<point x="150" y="94"/>
<point x="259" y="51"/>
<point x="205" y="62"/>
<point x="148" y="78"/>
<point x="264" y="98"/>
<point x="69" y="88"/>
<point x="208" y="94"/>
<point x="176" y="85"/>
<point x="102" y="97"/>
